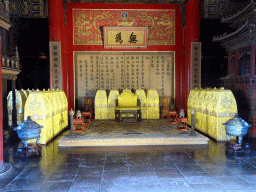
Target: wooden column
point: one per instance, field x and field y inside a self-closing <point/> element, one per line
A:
<point x="192" y="35"/>
<point x="4" y="95"/>
<point x="236" y="69"/>
<point x="55" y="15"/>
<point x="1" y="114"/>
<point x="57" y="33"/>
<point x="252" y="96"/>
<point x="179" y="62"/>
<point x="230" y="63"/>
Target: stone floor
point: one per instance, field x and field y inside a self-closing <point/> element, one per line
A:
<point x="182" y="168"/>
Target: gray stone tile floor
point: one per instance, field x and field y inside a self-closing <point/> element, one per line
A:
<point x="206" y="168"/>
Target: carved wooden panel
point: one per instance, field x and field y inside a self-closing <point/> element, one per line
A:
<point x="28" y="8"/>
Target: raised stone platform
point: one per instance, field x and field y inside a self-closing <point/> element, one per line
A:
<point x="146" y="132"/>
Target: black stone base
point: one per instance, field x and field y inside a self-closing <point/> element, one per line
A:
<point x="233" y="145"/>
<point x="30" y="150"/>
<point x="6" y="170"/>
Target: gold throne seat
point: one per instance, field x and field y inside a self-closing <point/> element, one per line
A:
<point x="128" y="109"/>
<point x="127" y="99"/>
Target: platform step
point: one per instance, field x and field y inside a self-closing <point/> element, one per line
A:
<point x="129" y="121"/>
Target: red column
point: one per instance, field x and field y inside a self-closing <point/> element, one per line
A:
<point x="252" y="95"/>
<point x="230" y="64"/>
<point x="236" y="69"/>
<point x="179" y="62"/>
<point x="56" y="33"/>
<point x="1" y="114"/>
<point x="65" y="65"/>
<point x="56" y="21"/>
<point x="192" y="35"/>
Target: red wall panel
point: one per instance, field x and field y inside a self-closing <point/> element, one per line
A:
<point x="192" y="35"/>
<point x="178" y="47"/>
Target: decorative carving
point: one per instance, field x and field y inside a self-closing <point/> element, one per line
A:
<point x="125" y="21"/>
<point x="26" y="5"/>
<point x="4" y="10"/>
<point x="88" y="23"/>
<point x="129" y="1"/>
<point x="181" y="2"/>
<point x="217" y="9"/>
<point x="239" y="41"/>
<point x="29" y="8"/>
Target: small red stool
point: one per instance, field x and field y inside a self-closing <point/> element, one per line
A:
<point x="183" y="122"/>
<point x="79" y="122"/>
<point x="87" y="116"/>
<point x="172" y="115"/>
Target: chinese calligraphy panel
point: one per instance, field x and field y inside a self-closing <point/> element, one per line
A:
<point x="55" y="65"/>
<point x="120" y="70"/>
<point x="125" y="37"/>
<point x="195" y="65"/>
<point x="162" y="73"/>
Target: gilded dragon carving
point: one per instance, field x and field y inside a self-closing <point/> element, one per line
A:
<point x="83" y="21"/>
<point x="145" y="17"/>
<point x="104" y="16"/>
<point x="167" y="22"/>
<point x="88" y="23"/>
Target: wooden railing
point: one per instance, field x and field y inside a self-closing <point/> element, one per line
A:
<point x="243" y="80"/>
<point x="10" y="62"/>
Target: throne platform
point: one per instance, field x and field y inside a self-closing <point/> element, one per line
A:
<point x="145" y="132"/>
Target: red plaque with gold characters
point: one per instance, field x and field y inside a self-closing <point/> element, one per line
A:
<point x="125" y="37"/>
